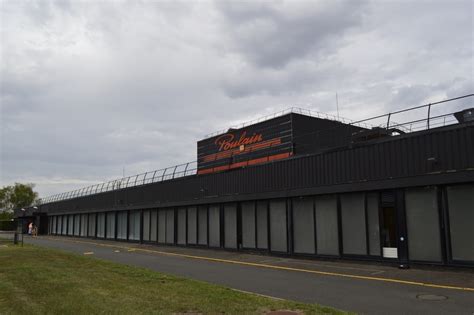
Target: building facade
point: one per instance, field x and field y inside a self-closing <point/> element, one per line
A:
<point x="336" y="191"/>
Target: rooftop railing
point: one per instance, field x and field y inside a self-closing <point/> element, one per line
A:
<point x="386" y="121"/>
<point x="296" y="110"/>
<point x="160" y="175"/>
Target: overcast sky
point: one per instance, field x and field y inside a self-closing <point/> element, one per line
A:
<point x="89" y="88"/>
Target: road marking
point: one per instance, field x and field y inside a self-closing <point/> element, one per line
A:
<point x="244" y="263"/>
<point x="258" y="294"/>
<point x="89" y="253"/>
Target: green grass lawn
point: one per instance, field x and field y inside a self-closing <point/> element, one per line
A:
<point x="36" y="280"/>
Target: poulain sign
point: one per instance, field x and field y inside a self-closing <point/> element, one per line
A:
<point x="228" y="141"/>
<point x="263" y="142"/>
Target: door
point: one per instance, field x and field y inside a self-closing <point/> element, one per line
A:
<point x="388" y="225"/>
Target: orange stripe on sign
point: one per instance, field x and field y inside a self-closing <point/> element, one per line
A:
<point x="206" y="171"/>
<point x="239" y="164"/>
<point x="246" y="163"/>
<point x="278" y="156"/>
<point x="248" y="148"/>
<point x="221" y="168"/>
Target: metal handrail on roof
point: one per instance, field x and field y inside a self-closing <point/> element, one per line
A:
<point x="296" y="110"/>
<point x="160" y="175"/>
<point x="190" y="168"/>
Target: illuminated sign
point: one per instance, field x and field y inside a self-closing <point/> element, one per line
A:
<point x="262" y="142"/>
<point x="227" y="142"/>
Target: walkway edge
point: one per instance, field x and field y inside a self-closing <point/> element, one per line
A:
<point x="228" y="261"/>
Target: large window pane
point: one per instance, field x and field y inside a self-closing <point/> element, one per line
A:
<point x="170" y="226"/>
<point x="84" y="224"/>
<point x="181" y="226"/>
<point x="64" y="229"/>
<point x="59" y="228"/>
<point x="202" y="225"/>
<point x="91" y="222"/>
<point x="230" y="225"/>
<point x="354" y="239"/>
<point x="278" y="226"/>
<point x="303" y="225"/>
<point x="60" y="224"/>
<point x="373" y="222"/>
<point x="326" y="225"/>
<point x="111" y="225"/>
<point x="461" y="221"/>
<point x="146" y="225"/>
<point x="122" y="225"/>
<point x="214" y="226"/>
<point x="134" y="226"/>
<point x="423" y="224"/>
<point x="162" y="226"/>
<point x="70" y="224"/>
<point x="154" y="225"/>
<point x="248" y="224"/>
<point x="77" y="223"/>
<point x="101" y="225"/>
<point x="262" y="225"/>
<point x="55" y="221"/>
<point x="192" y="225"/>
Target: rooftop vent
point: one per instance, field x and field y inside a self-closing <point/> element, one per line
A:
<point x="466" y="115"/>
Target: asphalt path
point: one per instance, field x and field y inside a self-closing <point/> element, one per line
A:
<point x="355" y="294"/>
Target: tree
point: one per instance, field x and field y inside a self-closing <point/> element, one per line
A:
<point x="15" y="197"/>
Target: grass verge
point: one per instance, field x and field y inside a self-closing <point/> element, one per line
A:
<point x="36" y="280"/>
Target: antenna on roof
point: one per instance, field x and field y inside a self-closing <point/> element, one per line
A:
<point x="337" y="106"/>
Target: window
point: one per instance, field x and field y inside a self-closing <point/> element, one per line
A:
<point x="192" y="225"/>
<point x="77" y="223"/>
<point x="303" y="226"/>
<point x="461" y="220"/>
<point x="110" y="225"/>
<point x="230" y="225"/>
<point x="248" y="224"/>
<point x="84" y="225"/>
<point x="181" y="226"/>
<point x="214" y="226"/>
<point x="92" y="217"/>
<point x="202" y="225"/>
<point x="327" y="238"/>
<point x="101" y="225"/>
<point x="122" y="225"/>
<point x="146" y="225"/>
<point x="423" y="237"/>
<point x="262" y="224"/>
<point x="278" y="226"/>
<point x="373" y="223"/>
<point x="170" y="226"/>
<point x="353" y="224"/>
<point x="134" y="226"/>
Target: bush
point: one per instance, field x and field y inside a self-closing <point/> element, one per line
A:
<point x="8" y="225"/>
<point x="6" y="215"/>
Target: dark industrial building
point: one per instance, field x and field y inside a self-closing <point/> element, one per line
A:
<point x="299" y="184"/>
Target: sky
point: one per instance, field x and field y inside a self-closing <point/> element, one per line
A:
<point x="91" y="90"/>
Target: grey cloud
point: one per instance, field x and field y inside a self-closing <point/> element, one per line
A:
<point x="90" y="87"/>
<point x="271" y="34"/>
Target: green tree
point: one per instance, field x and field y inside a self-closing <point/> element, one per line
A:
<point x="15" y="197"/>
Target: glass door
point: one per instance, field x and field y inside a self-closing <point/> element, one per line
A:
<point x="388" y="225"/>
<point x="389" y="232"/>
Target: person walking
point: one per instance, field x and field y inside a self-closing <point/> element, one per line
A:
<point x="30" y="228"/>
<point x="35" y="230"/>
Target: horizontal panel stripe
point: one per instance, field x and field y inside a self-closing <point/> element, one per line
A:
<point x="245" y="163"/>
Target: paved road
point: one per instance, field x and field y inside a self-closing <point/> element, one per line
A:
<point x="359" y="295"/>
